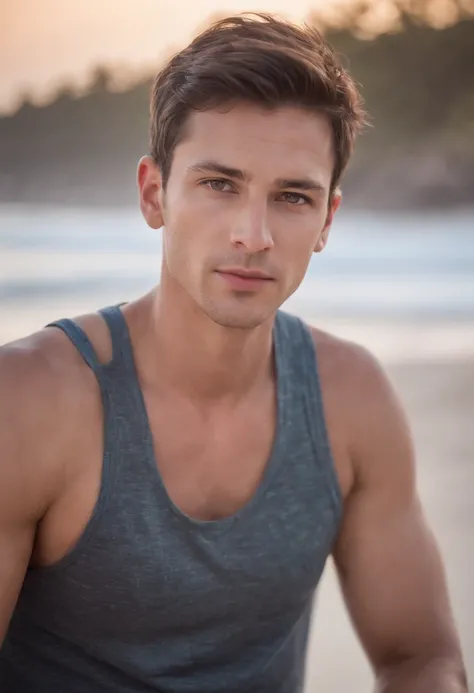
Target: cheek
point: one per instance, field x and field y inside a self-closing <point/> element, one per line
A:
<point x="299" y="239"/>
<point x="180" y="226"/>
<point x="193" y="217"/>
<point x="187" y="243"/>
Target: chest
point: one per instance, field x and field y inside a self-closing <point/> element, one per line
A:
<point x="212" y="462"/>
<point x="143" y="566"/>
<point x="152" y="572"/>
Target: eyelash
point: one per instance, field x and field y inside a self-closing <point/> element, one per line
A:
<point x="307" y="200"/>
<point x="208" y="183"/>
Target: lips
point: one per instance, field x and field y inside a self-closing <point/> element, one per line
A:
<point x="245" y="280"/>
<point x="246" y="274"/>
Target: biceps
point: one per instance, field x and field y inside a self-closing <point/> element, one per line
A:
<point x="393" y="581"/>
<point x="15" y="551"/>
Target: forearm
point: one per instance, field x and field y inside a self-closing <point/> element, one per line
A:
<point x="415" y="676"/>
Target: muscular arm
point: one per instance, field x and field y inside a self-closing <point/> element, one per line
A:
<point x="387" y="559"/>
<point x="17" y="525"/>
<point x="26" y="425"/>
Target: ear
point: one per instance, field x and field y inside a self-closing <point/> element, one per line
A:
<point x="333" y="206"/>
<point x="150" y="187"/>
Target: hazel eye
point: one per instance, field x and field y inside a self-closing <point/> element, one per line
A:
<point x="296" y="199"/>
<point x="219" y="185"/>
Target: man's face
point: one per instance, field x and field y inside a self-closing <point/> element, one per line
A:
<point x="246" y="204"/>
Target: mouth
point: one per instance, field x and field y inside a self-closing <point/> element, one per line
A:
<point x="243" y="279"/>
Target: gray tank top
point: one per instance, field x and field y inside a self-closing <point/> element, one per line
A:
<point x="152" y="600"/>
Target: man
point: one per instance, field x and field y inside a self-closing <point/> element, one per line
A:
<point x="176" y="471"/>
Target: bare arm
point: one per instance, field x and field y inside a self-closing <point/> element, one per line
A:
<point x="388" y="562"/>
<point x="26" y="426"/>
<point x="17" y="525"/>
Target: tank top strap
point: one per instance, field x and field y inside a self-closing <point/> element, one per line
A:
<point x="129" y="419"/>
<point x="122" y="353"/>
<point x="300" y="356"/>
<point x="80" y="340"/>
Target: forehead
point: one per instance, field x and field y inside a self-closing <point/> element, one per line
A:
<point x="286" y="142"/>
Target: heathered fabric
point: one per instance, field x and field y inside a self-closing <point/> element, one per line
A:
<point x="152" y="600"/>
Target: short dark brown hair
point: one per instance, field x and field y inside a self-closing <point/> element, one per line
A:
<point x="255" y="58"/>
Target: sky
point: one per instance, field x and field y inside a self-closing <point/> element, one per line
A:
<point x="48" y="43"/>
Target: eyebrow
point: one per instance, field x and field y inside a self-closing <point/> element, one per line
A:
<point x="210" y="166"/>
<point x="300" y="184"/>
<point x="215" y="167"/>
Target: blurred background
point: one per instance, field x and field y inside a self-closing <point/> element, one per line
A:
<point x="397" y="276"/>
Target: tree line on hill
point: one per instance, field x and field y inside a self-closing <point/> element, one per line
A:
<point x="417" y="81"/>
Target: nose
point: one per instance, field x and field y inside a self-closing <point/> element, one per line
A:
<point x="251" y="231"/>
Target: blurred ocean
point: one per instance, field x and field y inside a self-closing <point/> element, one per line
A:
<point x="407" y="265"/>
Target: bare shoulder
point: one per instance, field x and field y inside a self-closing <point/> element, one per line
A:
<point x="44" y="385"/>
<point x="364" y="410"/>
<point x="42" y="372"/>
<point x="34" y="374"/>
<point x="347" y="363"/>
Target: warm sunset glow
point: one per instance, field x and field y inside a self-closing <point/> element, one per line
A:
<point x="44" y="43"/>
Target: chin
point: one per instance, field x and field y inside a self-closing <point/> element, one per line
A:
<point x="238" y="317"/>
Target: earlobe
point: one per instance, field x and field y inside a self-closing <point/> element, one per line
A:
<point x="323" y="239"/>
<point x="150" y="190"/>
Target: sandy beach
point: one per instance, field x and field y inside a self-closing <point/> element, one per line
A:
<point x="432" y="367"/>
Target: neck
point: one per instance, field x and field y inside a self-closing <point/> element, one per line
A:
<point x="182" y="348"/>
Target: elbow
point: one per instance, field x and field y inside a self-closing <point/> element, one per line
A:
<point x="443" y="672"/>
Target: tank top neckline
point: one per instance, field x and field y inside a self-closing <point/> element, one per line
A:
<point x="272" y="463"/>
